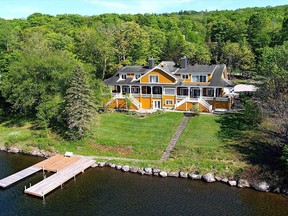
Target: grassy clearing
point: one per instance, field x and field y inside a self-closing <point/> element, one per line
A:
<point x="118" y="135"/>
<point x="200" y="148"/>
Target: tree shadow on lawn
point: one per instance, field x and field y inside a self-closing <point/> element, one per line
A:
<point x="258" y="147"/>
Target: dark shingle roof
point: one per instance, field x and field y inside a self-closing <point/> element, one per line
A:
<point x="168" y="66"/>
<point x="134" y="69"/>
<point x="196" y="68"/>
<point x="218" y="80"/>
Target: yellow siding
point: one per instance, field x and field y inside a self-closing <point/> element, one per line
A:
<point x="130" y="75"/>
<point x="121" y="104"/>
<point x="163" y="77"/>
<point x="187" y="80"/>
<point x="209" y="77"/>
<point x="188" y="105"/>
<point x="168" y="97"/>
<point x="146" y="103"/>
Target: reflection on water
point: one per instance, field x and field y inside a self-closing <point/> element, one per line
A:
<point x="105" y="191"/>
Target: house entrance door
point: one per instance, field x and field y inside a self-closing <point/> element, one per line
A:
<point x="156" y="104"/>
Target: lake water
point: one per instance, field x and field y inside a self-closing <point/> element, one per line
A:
<point x="105" y="191"/>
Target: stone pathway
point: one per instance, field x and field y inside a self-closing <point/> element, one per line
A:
<point x="175" y="138"/>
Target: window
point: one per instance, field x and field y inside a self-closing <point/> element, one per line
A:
<point x="135" y="90"/>
<point x="202" y="78"/>
<point x="169" y="102"/>
<point x="169" y="91"/>
<point x="137" y="76"/>
<point x="153" y="79"/>
<point x="199" y="78"/>
<point x="123" y="76"/>
<point x="210" y="92"/>
<point x="185" y="76"/>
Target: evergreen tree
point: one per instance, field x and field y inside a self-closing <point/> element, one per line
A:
<point x="80" y="107"/>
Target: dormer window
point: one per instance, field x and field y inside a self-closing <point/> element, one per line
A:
<point x="199" y="78"/>
<point x="123" y="76"/>
<point x="185" y="76"/>
<point x="153" y="79"/>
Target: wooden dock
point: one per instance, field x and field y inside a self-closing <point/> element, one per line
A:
<point x="58" y="179"/>
<point x="6" y="182"/>
<point x="65" y="168"/>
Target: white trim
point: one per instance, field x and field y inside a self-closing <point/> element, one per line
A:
<point x="164" y="93"/>
<point x="159" y="68"/>
<point x="155" y="75"/>
<point x="155" y="101"/>
<point x="169" y="100"/>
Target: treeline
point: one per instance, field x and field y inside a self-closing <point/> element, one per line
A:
<point x="40" y="53"/>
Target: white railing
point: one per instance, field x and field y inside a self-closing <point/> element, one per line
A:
<point x="157" y="96"/>
<point x="135" y="101"/>
<point x="205" y="104"/>
<point x="181" y="97"/>
<point x="181" y="102"/>
<point x="221" y="99"/>
<point x="208" y="98"/>
<point x="116" y="96"/>
<point x="146" y="95"/>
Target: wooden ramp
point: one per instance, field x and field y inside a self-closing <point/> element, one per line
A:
<point x="18" y="176"/>
<point x="58" y="179"/>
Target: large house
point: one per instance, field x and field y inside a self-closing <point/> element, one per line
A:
<point x="171" y="86"/>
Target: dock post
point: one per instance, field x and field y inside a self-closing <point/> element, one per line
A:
<point x="44" y="202"/>
<point x="25" y="187"/>
<point x="74" y="178"/>
<point x="30" y="185"/>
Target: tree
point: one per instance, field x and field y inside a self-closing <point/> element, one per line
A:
<point x="80" y="107"/>
<point x="95" y="47"/>
<point x="273" y="93"/>
<point x="35" y="73"/>
<point x="237" y="56"/>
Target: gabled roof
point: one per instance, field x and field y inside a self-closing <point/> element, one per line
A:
<point x="162" y="69"/>
<point x="197" y="68"/>
<point x="168" y="66"/>
<point x="218" y="80"/>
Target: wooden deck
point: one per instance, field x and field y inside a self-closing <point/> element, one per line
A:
<point x="18" y="176"/>
<point x="56" y="163"/>
<point x="58" y="179"/>
<point x="65" y="168"/>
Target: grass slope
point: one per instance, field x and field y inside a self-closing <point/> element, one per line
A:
<point x="119" y="135"/>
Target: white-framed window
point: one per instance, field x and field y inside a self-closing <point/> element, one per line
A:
<point x="169" y="102"/>
<point x="203" y="78"/>
<point x="153" y="79"/>
<point x="185" y="76"/>
<point x="137" y="76"/>
<point x="169" y="91"/>
<point x="123" y="76"/>
<point x="199" y="78"/>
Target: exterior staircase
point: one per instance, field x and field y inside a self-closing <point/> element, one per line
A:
<point x="198" y="100"/>
<point x="131" y="98"/>
<point x="205" y="104"/>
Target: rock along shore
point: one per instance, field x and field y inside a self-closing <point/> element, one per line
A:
<point x="208" y="177"/>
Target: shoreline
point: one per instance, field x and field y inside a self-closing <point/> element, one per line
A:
<point x="208" y="177"/>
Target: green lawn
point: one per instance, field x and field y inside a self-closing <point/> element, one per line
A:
<point x="119" y="135"/>
<point x="200" y="148"/>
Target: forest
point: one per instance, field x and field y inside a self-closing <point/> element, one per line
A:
<point x="48" y="61"/>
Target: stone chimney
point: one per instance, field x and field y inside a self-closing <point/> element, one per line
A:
<point x="151" y="63"/>
<point x="183" y="62"/>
